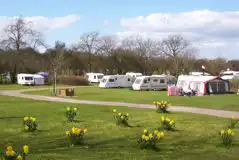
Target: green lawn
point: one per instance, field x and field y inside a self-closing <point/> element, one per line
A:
<point x="226" y="102"/>
<point x="17" y="86"/>
<point x="196" y="139"/>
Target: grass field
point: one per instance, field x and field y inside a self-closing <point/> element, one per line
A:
<point x="226" y="102"/>
<point x="17" y="86"/>
<point x="196" y="139"/>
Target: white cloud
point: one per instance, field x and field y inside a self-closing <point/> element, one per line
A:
<point x="214" y="33"/>
<point x="43" y="23"/>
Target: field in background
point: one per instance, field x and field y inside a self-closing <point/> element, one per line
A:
<point x="197" y="136"/>
<point x="226" y="102"/>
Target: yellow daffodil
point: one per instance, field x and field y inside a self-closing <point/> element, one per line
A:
<point x="122" y="117"/>
<point x="146" y="138"/>
<point x="162" y="118"/>
<point x="26" y="118"/>
<point x="229" y="131"/>
<point x="85" y="130"/>
<point x="9" y="148"/>
<point x="145" y="131"/>
<point x="156" y="132"/>
<point x="159" y="135"/>
<point x="150" y="135"/>
<point x="114" y="110"/>
<point x="127" y="114"/>
<point x="68" y="108"/>
<point x="10" y="153"/>
<point x="233" y="118"/>
<point x="143" y="136"/>
<point x="19" y="157"/>
<point x="167" y="119"/>
<point x="75" y="109"/>
<point x="119" y="114"/>
<point x="33" y="119"/>
<point x="154" y="102"/>
<point x="171" y="122"/>
<point x="25" y="149"/>
<point x="67" y="132"/>
<point x="26" y="128"/>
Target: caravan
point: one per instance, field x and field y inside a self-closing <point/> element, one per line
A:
<point x="116" y="81"/>
<point x="94" y="77"/>
<point x="229" y="75"/>
<point x="150" y="83"/>
<point x="30" y="79"/>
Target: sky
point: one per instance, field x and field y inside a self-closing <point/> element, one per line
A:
<point x="212" y="26"/>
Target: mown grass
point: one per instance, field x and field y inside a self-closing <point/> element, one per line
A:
<point x="17" y="86"/>
<point x="197" y="136"/>
<point x="225" y="102"/>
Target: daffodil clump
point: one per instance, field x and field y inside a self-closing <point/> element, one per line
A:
<point x="121" y="118"/>
<point x="30" y="124"/>
<point x="161" y="106"/>
<point x="167" y="124"/>
<point x="150" y="139"/>
<point x="233" y="122"/>
<point x="11" y="154"/>
<point x="76" y="135"/>
<point x="71" y="113"/>
<point x="227" y="136"/>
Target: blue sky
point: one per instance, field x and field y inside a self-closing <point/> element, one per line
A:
<point x="93" y="14"/>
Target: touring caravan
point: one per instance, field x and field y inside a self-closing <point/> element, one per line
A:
<point x="115" y="81"/>
<point x="30" y="79"/>
<point x="150" y="83"/>
<point x="229" y="75"/>
<point x="203" y="84"/>
<point x="133" y="74"/>
<point x="94" y="77"/>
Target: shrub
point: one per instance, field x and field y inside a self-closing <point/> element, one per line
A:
<point x="30" y="124"/>
<point x="234" y="85"/>
<point x="233" y="122"/>
<point x="226" y="136"/>
<point x="121" y="118"/>
<point x="150" y="139"/>
<point x="10" y="154"/>
<point x="76" y="135"/>
<point x="167" y="123"/>
<point x="162" y="106"/>
<point x="72" y="80"/>
<point x="71" y="113"/>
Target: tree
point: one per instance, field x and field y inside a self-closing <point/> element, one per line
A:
<point x="176" y="48"/>
<point x="20" y="34"/>
<point x="90" y="43"/>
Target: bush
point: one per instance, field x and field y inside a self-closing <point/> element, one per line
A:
<point x="161" y="106"/>
<point x="227" y="136"/>
<point x="150" y="140"/>
<point x="10" y="154"/>
<point x="72" y="80"/>
<point x="71" y="113"/>
<point x="76" y="135"/>
<point x="121" y="118"/>
<point x="30" y="124"/>
<point x="167" y="123"/>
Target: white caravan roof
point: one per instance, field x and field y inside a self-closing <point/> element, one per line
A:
<point x="196" y="78"/>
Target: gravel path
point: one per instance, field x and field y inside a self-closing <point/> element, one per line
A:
<point x="213" y="112"/>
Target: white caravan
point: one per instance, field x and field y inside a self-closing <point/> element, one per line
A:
<point x="229" y="75"/>
<point x="116" y="81"/>
<point x="199" y="74"/>
<point x="150" y="83"/>
<point x="94" y="77"/>
<point x="134" y="74"/>
<point x="30" y="79"/>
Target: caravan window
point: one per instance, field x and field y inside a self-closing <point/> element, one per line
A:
<point x="28" y="78"/>
<point x="111" y="80"/>
<point x="155" y="80"/>
<point x="145" y="80"/>
<point x="162" y="80"/>
<point x="138" y="81"/>
<point x="94" y="77"/>
<point x="100" y="76"/>
<point x="104" y="80"/>
<point x="128" y="79"/>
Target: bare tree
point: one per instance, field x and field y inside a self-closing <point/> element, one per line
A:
<point x="20" y="34"/>
<point x="176" y="48"/>
<point x="107" y="45"/>
<point x="90" y="43"/>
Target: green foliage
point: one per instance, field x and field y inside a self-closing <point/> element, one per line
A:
<point x="121" y="118"/>
<point x="161" y="106"/>
<point x="168" y="124"/>
<point x="227" y="136"/>
<point x="71" y="113"/>
<point x="30" y="124"/>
